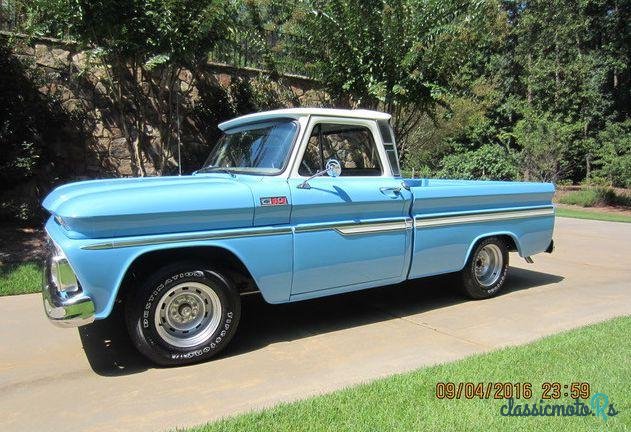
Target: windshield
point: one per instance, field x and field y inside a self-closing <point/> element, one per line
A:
<point x="257" y="148"/>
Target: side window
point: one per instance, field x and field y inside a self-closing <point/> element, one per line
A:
<point x="312" y="159"/>
<point x="352" y="145"/>
<point x="391" y="148"/>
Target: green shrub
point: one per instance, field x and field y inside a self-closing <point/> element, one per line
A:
<point x="422" y="172"/>
<point x="546" y="141"/>
<point x="583" y="198"/>
<point x="619" y="199"/>
<point x="564" y="182"/>
<point x="489" y="162"/>
<point x="613" y="156"/>
<point x="596" y="197"/>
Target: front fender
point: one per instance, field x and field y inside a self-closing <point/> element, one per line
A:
<point x="101" y="266"/>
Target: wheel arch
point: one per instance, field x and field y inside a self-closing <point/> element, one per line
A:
<point x="149" y="260"/>
<point x="510" y="238"/>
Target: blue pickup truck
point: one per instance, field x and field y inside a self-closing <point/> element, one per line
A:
<point x="292" y="204"/>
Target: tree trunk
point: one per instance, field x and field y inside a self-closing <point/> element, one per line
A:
<point x="528" y="85"/>
<point x="557" y="67"/>
<point x="588" y="167"/>
<point x="116" y="78"/>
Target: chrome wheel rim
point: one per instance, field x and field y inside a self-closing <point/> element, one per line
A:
<point x="188" y="314"/>
<point x="488" y="265"/>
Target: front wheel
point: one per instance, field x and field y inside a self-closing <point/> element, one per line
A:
<point x="184" y="314"/>
<point x="485" y="272"/>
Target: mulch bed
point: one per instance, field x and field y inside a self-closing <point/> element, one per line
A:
<point x="20" y="244"/>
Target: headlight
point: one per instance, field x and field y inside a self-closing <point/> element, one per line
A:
<point x="61" y="273"/>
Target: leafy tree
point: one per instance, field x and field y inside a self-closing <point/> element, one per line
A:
<point x="460" y="123"/>
<point x="142" y="50"/>
<point x="613" y="154"/>
<point x="397" y="55"/>
<point x="569" y="57"/>
<point x="544" y="141"/>
<point x="559" y="73"/>
<point x="267" y="20"/>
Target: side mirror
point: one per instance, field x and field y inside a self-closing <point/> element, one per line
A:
<point x="333" y="168"/>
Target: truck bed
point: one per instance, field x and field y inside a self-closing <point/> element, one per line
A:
<point x="451" y="215"/>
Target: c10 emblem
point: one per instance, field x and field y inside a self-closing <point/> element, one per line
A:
<point x="274" y="201"/>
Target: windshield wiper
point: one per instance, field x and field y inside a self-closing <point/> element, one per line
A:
<point x="216" y="169"/>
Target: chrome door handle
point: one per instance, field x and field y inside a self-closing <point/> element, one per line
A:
<point x="391" y="191"/>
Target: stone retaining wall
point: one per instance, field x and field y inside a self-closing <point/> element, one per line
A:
<point x="63" y="72"/>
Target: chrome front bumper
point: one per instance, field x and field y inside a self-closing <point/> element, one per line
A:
<point x="64" y="309"/>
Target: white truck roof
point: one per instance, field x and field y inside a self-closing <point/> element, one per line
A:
<point x="296" y="113"/>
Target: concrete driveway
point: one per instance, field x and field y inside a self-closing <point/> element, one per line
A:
<point x="91" y="379"/>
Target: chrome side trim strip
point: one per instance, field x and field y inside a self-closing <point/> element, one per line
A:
<point x="188" y="237"/>
<point x="426" y="222"/>
<point x="482" y="211"/>
<point x="316" y="227"/>
<point x="364" y="227"/>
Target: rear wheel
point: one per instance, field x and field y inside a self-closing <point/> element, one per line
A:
<point x="485" y="272"/>
<point x="186" y="313"/>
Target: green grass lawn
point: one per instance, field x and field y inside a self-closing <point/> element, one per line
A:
<point x="20" y="278"/>
<point x="599" y="354"/>
<point x="591" y="214"/>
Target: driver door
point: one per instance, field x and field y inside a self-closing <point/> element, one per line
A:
<point x="350" y="231"/>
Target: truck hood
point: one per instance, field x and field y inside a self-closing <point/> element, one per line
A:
<point x="153" y="205"/>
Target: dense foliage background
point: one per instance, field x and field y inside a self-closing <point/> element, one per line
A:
<point x="534" y="90"/>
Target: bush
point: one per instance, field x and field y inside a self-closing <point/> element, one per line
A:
<point x="596" y="197"/>
<point x="422" y="172"/>
<point x="35" y="133"/>
<point x="613" y="157"/>
<point x="489" y="162"/>
<point x="545" y="142"/>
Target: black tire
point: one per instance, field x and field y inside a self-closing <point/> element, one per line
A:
<point x="480" y="287"/>
<point x="142" y="304"/>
